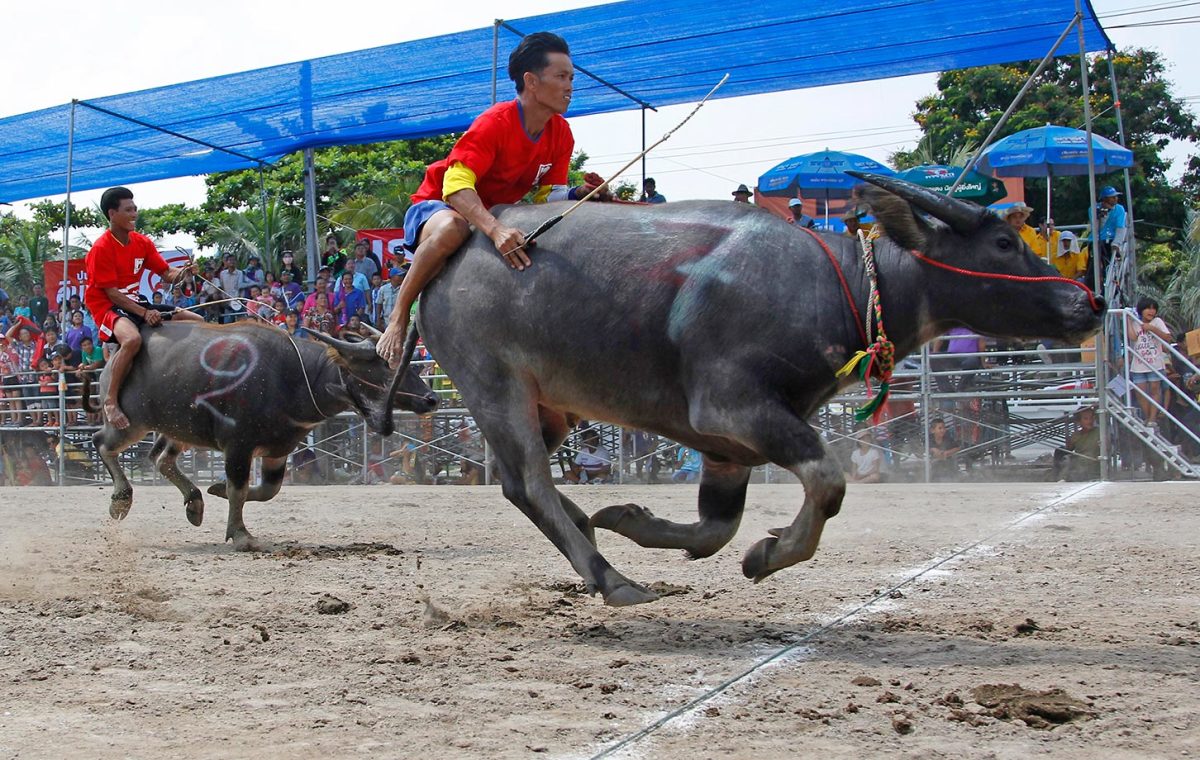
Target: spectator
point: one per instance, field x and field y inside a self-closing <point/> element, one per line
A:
<point x="253" y="272"/>
<point x="853" y="222"/>
<point x="158" y="299"/>
<point x="799" y="218"/>
<point x="22" y="307"/>
<point x="320" y="294"/>
<point x="1068" y="259"/>
<point x="31" y="468"/>
<point x="373" y="300"/>
<point x="650" y="192"/>
<point x="354" y="327"/>
<point x="23" y="345"/>
<point x="1017" y="215"/>
<point x="47" y="343"/>
<point x="271" y="286"/>
<point x="742" y="194"/>
<point x="1048" y="241"/>
<point x="1145" y="333"/>
<point x="289" y="267"/>
<point x="91" y="357"/>
<point x="388" y="294"/>
<point x="688" y="465"/>
<point x="304" y="467"/>
<point x="348" y="301"/>
<point x="279" y="310"/>
<point x="866" y="463"/>
<point x="255" y="303"/>
<point x="1112" y="231"/>
<point x="1079" y="459"/>
<point x="360" y="281"/>
<point x="77" y="332"/>
<point x="291" y="292"/>
<point x="47" y="391"/>
<point x="39" y="306"/>
<point x="593" y="463"/>
<point x="3" y="298"/>
<point x="943" y="450"/>
<point x="233" y="281"/>
<point x="319" y="318"/>
<point x="10" y="395"/>
<point x="291" y="323"/>
<point x="951" y="347"/>
<point x="333" y="257"/>
<point x="366" y="263"/>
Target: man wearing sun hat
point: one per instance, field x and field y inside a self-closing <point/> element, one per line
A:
<point x="742" y="194"/>
<point x="1017" y="215"/>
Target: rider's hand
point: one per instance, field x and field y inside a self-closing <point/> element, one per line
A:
<point x="153" y="317"/>
<point x="591" y="181"/>
<point x="509" y="241"/>
<point x="391" y="345"/>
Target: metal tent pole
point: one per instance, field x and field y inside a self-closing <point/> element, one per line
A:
<point x="643" y="149"/>
<point x="62" y="285"/>
<point x="495" y="55"/>
<point x="1098" y="275"/>
<point x="1130" y="237"/>
<point x="310" y="215"/>
<point x="267" y="261"/>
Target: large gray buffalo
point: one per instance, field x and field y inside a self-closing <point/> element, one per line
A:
<point x="248" y="390"/>
<point x="717" y="325"/>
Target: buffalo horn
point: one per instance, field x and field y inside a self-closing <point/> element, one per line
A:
<point x="962" y="217"/>
<point x="372" y="329"/>
<point x="363" y="351"/>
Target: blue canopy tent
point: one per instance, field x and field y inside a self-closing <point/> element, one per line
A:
<point x="648" y="53"/>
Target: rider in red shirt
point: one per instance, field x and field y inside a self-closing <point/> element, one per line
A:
<point x="509" y="150"/>
<point x="114" y="274"/>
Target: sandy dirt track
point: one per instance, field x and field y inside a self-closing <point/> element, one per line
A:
<point x="464" y="634"/>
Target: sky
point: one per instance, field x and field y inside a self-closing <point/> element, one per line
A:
<point x="89" y="49"/>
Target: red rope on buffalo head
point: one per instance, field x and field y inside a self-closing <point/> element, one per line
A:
<point x="1011" y="277"/>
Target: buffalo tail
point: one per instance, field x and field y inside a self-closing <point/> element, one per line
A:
<point x="85" y="394"/>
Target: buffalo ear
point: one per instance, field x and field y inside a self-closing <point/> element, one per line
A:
<point x="899" y="221"/>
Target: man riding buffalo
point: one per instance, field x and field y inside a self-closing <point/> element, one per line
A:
<point x="114" y="274"/>
<point x="512" y="148"/>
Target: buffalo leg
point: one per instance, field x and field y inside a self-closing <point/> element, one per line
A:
<point x="555" y="430"/>
<point x="193" y="501"/>
<point x="110" y="442"/>
<point x="722" y="498"/>
<point x="509" y="421"/>
<point x="237" y="480"/>
<point x="273" y="470"/>
<point x="824" y="487"/>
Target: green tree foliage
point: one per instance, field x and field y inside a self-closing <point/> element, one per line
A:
<point x="24" y="248"/>
<point x="969" y="103"/>
<point x="243" y="233"/>
<point x="342" y="172"/>
<point x="51" y="216"/>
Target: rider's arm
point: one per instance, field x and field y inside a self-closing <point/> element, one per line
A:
<point x="122" y="301"/>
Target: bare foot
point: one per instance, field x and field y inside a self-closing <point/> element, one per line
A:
<point x="115" y="416"/>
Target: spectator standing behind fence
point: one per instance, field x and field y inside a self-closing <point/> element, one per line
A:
<point x="866" y="463"/>
<point x="389" y="293"/>
<point x="77" y="332"/>
<point x="365" y="262"/>
<point x="332" y="256"/>
<point x="289" y="267"/>
<point x="742" y="194"/>
<point x="253" y="273"/>
<point x="1048" y="240"/>
<point x="593" y="462"/>
<point x="650" y="192"/>
<point x="799" y="218"/>
<point x="950" y="350"/>
<point x="1068" y="259"/>
<point x="9" y="364"/>
<point x="1143" y="332"/>
<point x="320" y="295"/>
<point x="1016" y="216"/>
<point x="348" y="301"/>
<point x="233" y="281"/>
<point x="289" y="290"/>
<point x="39" y="305"/>
<point x="688" y="464"/>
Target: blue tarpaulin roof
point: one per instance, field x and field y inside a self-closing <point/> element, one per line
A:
<point x="662" y="52"/>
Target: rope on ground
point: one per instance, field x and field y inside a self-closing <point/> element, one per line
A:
<point x="815" y="634"/>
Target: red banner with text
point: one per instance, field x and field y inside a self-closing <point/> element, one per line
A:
<point x="60" y="289"/>
<point x="387" y="244"/>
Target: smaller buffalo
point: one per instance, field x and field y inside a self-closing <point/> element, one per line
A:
<point x="248" y="390"/>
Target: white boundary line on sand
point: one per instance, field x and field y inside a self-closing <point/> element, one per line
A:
<point x="800" y="644"/>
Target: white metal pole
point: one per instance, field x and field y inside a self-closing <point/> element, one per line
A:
<point x="62" y="285"/>
<point x="310" y="215"/>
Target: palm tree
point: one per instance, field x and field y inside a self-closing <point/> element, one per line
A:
<point x="378" y="211"/>
<point x="1179" y="300"/>
<point x="243" y="232"/>
<point x="23" y="254"/>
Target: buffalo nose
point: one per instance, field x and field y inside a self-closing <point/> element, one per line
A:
<point x="1101" y="305"/>
<point x="432" y="399"/>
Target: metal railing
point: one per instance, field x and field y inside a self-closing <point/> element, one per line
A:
<point x="1008" y="408"/>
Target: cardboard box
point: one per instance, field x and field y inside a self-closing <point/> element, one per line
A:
<point x="1193" y="344"/>
<point x="1087" y="354"/>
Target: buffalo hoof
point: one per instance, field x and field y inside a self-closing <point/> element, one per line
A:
<point x="756" y="565"/>
<point x="194" y="507"/>
<point x="218" y="490"/>
<point x="629" y="594"/>
<point x="244" y="542"/>
<point x="120" y="504"/>
<point x="610" y="517"/>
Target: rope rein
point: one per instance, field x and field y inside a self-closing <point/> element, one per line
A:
<point x="1011" y="277"/>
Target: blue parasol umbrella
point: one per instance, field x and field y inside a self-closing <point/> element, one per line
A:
<point x="821" y="176"/>
<point x="1052" y="151"/>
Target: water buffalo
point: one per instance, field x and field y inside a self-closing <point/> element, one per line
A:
<point x="243" y="389"/>
<point x="717" y="325"/>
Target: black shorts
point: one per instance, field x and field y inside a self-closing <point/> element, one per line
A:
<point x="166" y="311"/>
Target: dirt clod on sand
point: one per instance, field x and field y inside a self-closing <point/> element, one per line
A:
<point x="331" y="605"/>
<point x="1039" y="709"/>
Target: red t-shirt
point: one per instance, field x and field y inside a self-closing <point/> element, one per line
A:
<point x="112" y="265"/>
<point x="507" y="164"/>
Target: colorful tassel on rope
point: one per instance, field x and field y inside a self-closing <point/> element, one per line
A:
<point x="880" y="357"/>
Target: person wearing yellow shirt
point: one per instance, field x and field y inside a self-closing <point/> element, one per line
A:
<point x="1017" y="215"/>
<point x="1069" y="260"/>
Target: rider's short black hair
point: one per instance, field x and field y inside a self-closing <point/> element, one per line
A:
<point x="532" y="54"/>
<point x="111" y="200"/>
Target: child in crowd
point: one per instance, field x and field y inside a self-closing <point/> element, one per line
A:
<point x="47" y="392"/>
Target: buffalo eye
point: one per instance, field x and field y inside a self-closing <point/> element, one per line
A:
<point x="1004" y="243"/>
